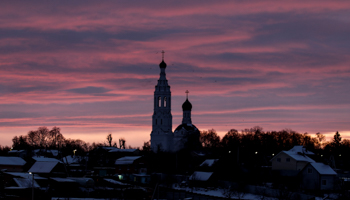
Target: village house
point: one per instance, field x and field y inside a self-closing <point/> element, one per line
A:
<point x="318" y="176"/>
<point x="132" y="168"/>
<point x="290" y="163"/>
<point x="12" y="164"/>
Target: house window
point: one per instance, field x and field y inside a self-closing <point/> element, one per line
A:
<point x="324" y="182"/>
<point x="159" y="101"/>
<point x="309" y="170"/>
<point x="164" y="101"/>
<point x="278" y="159"/>
<point x="287" y="159"/>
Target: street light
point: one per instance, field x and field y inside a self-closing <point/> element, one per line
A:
<point x="32" y="184"/>
<point x="74" y="151"/>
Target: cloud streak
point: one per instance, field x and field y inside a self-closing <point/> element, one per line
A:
<point x="92" y="67"/>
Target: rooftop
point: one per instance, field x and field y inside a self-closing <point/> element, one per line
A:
<point x="127" y="160"/>
<point x="323" y="169"/>
<point x="42" y="167"/>
<point x="5" y="160"/>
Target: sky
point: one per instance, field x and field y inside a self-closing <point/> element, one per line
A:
<point x="90" y="67"/>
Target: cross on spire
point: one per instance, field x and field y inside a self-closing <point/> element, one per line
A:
<point x="187" y="94"/>
<point x="163" y="54"/>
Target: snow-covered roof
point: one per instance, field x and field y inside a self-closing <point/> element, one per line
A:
<point x="86" y="182"/>
<point x="298" y="153"/>
<point x="73" y="159"/>
<point x="323" y="169"/>
<point x="63" y="180"/>
<point x="115" y="182"/>
<point x="16" y="151"/>
<point x="52" y="151"/>
<point x="298" y="157"/>
<point x="126" y="160"/>
<point x="108" y="148"/>
<point x="4" y="160"/>
<point x="209" y="162"/>
<point x="45" y="159"/>
<point x="301" y="149"/>
<point x="123" y="150"/>
<point x="42" y="167"/>
<point x="25" y="175"/>
<point x="200" y="176"/>
<point x="25" y="182"/>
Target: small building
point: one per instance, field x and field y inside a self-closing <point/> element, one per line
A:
<point x="63" y="187"/>
<point x="124" y="152"/>
<point x="126" y="166"/>
<point x="201" y="179"/>
<point x="12" y="164"/>
<point x="46" y="152"/>
<point x="317" y="176"/>
<point x="290" y="163"/>
<point x="48" y="169"/>
<point x="18" y="153"/>
<point x="76" y="165"/>
<point x="22" y="179"/>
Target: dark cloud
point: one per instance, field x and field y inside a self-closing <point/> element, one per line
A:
<point x="314" y="30"/>
<point x="89" y="90"/>
<point x="8" y="89"/>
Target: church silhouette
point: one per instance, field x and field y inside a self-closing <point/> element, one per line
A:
<point x="186" y="135"/>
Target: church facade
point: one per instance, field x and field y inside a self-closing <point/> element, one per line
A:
<point x="186" y="135"/>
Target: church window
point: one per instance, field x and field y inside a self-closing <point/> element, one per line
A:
<point x="159" y="101"/>
<point x="156" y="121"/>
<point x="161" y="121"/>
<point x="164" y="101"/>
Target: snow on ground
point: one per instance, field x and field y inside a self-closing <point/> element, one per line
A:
<point x="219" y="193"/>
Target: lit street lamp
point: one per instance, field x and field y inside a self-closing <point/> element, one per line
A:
<point x="32" y="184"/>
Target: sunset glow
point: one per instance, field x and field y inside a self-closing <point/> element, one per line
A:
<point x="90" y="67"/>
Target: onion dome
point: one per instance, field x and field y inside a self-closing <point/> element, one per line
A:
<point x="186" y="105"/>
<point x="162" y="64"/>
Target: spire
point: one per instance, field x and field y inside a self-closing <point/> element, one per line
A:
<point x="162" y="64"/>
<point x="187" y="94"/>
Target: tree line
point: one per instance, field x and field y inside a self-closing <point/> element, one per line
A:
<point x="269" y="142"/>
<point x="248" y="140"/>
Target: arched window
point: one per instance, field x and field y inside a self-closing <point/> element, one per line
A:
<point x="164" y="101"/>
<point x="156" y="121"/>
<point x="159" y="101"/>
<point x="161" y="121"/>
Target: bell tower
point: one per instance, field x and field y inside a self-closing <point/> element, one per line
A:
<point x="162" y="135"/>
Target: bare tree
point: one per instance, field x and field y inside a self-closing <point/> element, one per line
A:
<point x="109" y="139"/>
<point x="121" y="143"/>
<point x="55" y="135"/>
<point x="209" y="139"/>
